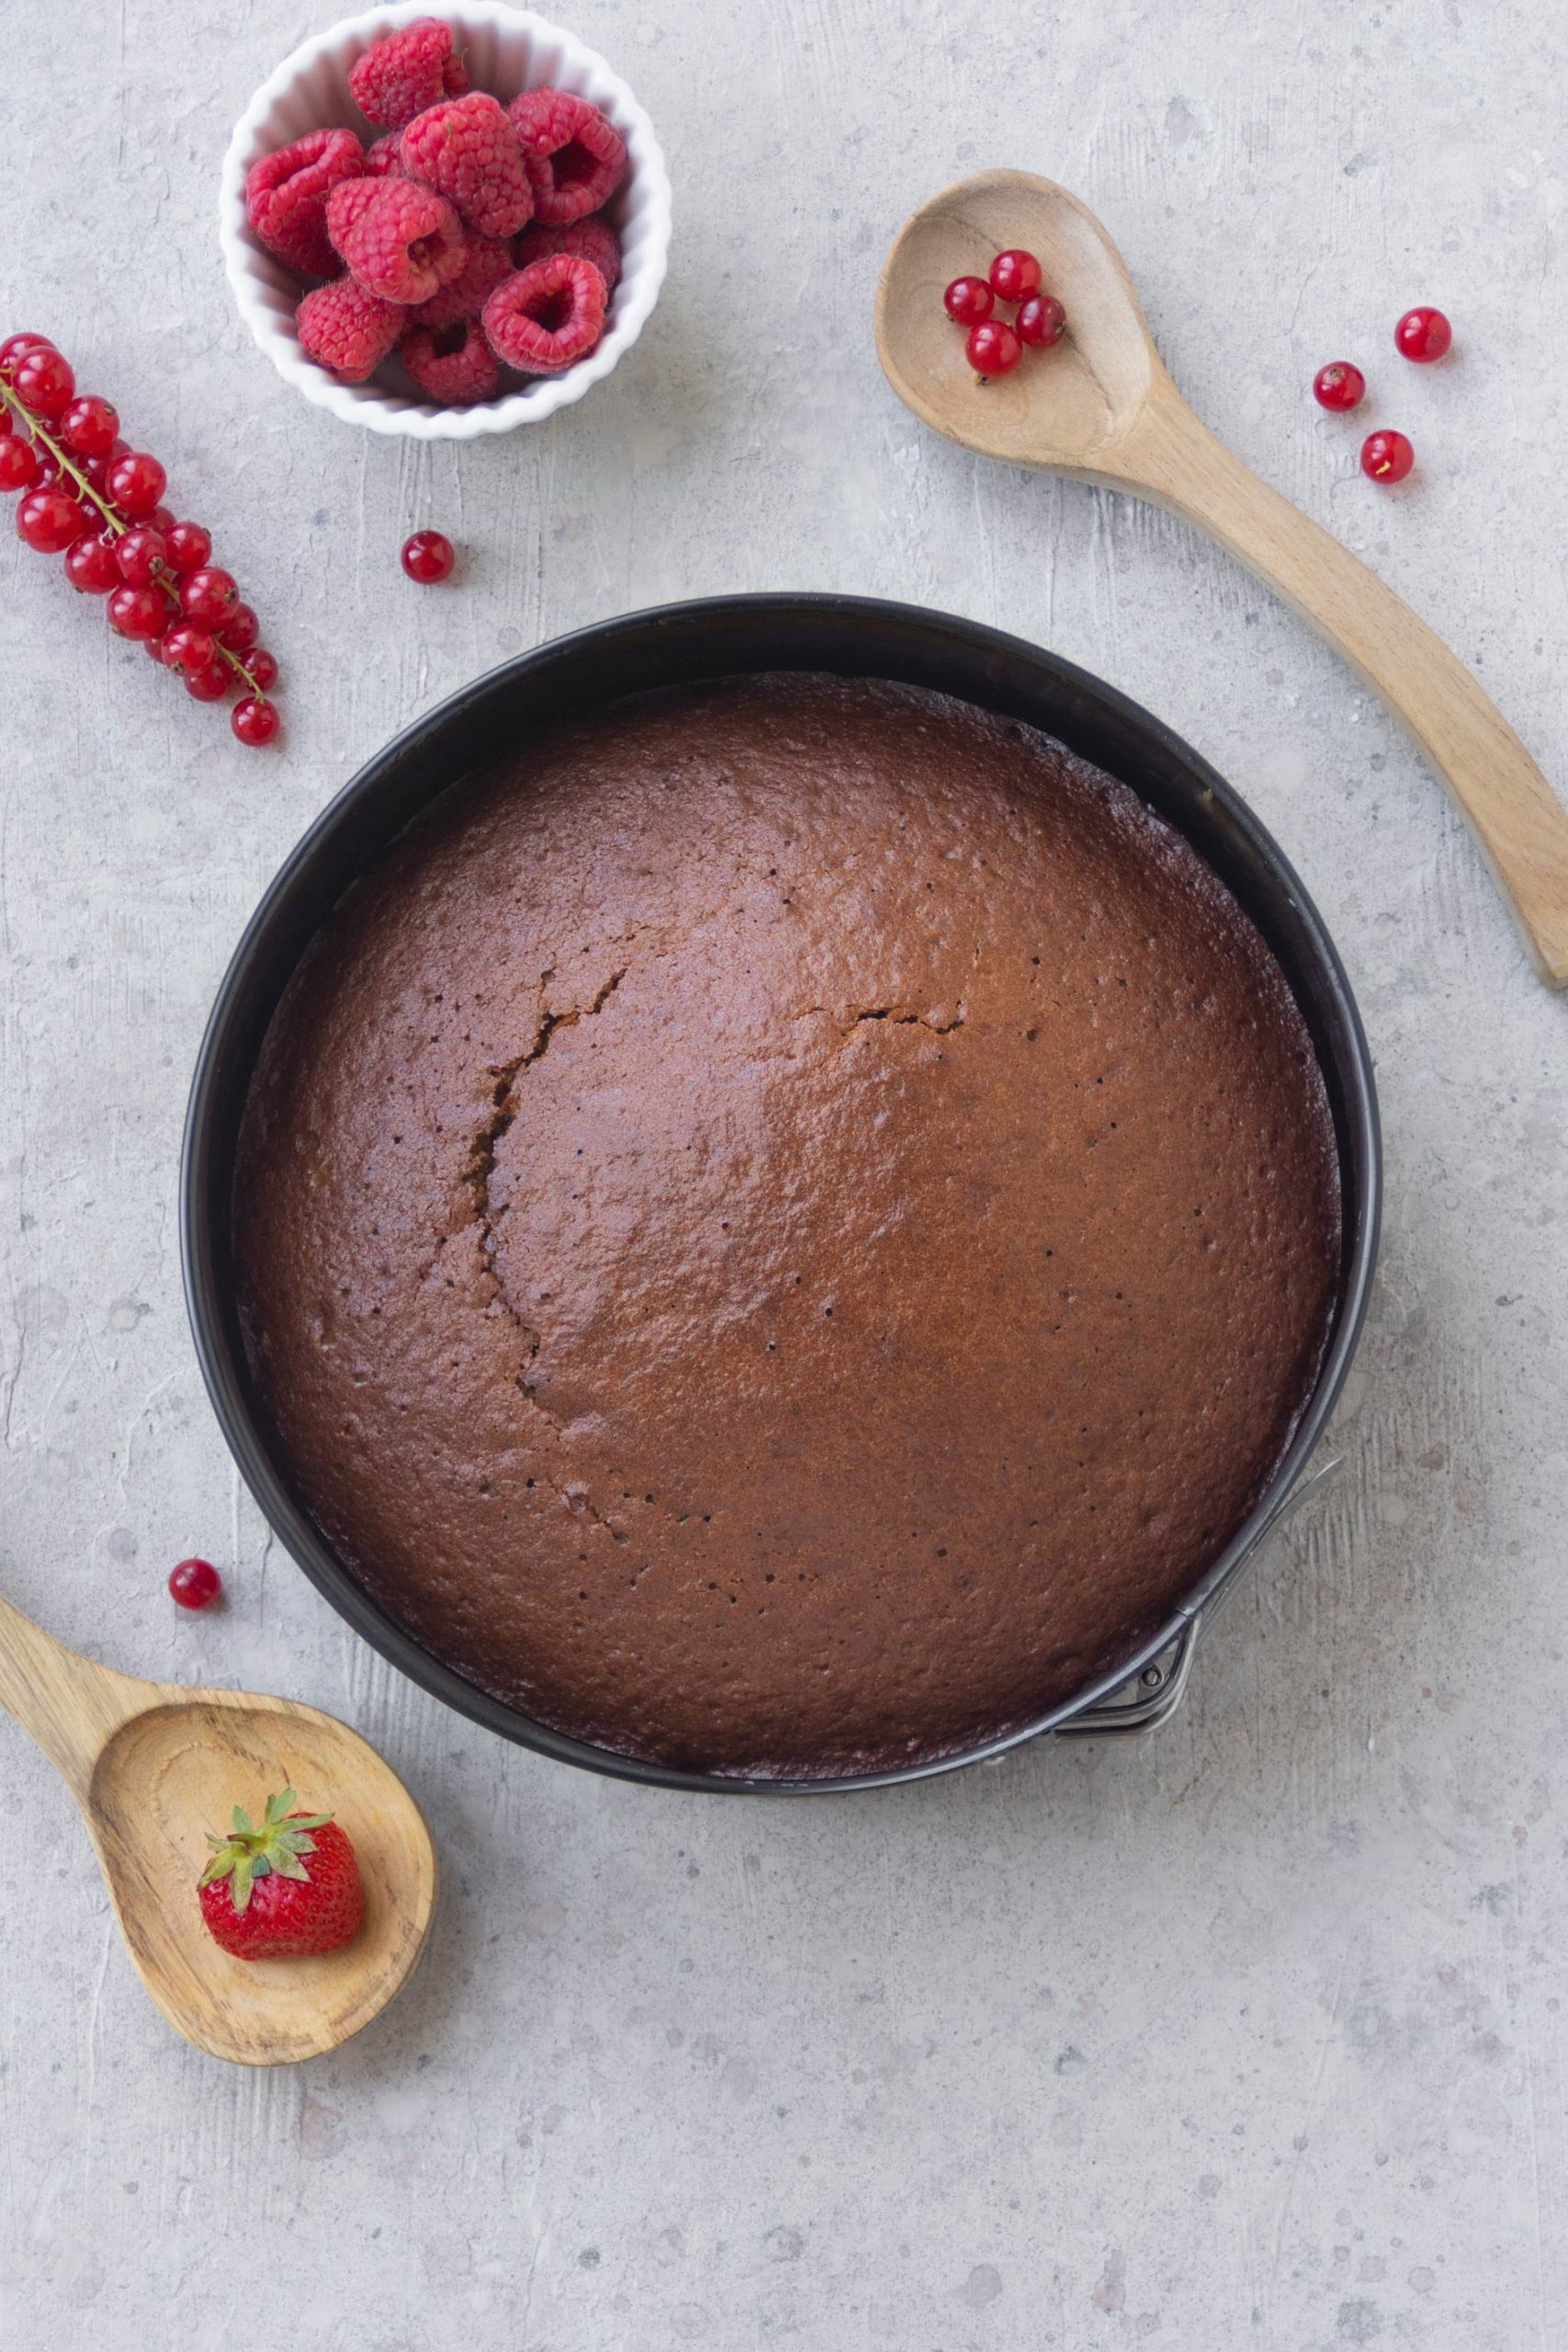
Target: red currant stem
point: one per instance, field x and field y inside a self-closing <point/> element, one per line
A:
<point x="165" y="579"/>
<point x="39" y="432"/>
<point x="115" y="521"/>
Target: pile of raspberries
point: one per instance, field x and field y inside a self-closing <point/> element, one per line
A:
<point x="466" y="238"/>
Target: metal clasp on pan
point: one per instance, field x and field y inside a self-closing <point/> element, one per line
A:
<point x="1150" y="1697"/>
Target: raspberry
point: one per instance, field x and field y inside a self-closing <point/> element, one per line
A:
<point x="347" y="330"/>
<point x="286" y="198"/>
<point x="452" y="365"/>
<point x="382" y="160"/>
<point x="400" y="241"/>
<point x="548" y="315"/>
<point x="406" y="73"/>
<point x="539" y="181"/>
<point x="465" y="295"/>
<point x="592" y="240"/>
<point x="468" y="151"/>
<point x="583" y="154"/>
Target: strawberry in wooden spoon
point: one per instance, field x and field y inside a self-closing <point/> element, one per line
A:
<point x="289" y="1888"/>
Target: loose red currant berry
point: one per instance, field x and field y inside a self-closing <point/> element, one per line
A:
<point x="208" y="596"/>
<point x="428" y="556"/>
<point x="15" y="349"/>
<point x="254" y="721"/>
<point x="1423" y="335"/>
<point x="188" y="649"/>
<point x="47" y="521"/>
<point x="196" y="1583"/>
<point x="1341" y="385"/>
<point x="88" y="426"/>
<point x="209" y="684"/>
<point x="1386" y="457"/>
<point x="968" y="300"/>
<point x="190" y="547"/>
<point x="137" y="611"/>
<point x="90" y="565"/>
<point x="261" y="668"/>
<point x="240" y="630"/>
<point x="136" y="482"/>
<point x="993" y="348"/>
<point x="1041" y="322"/>
<point x="140" y="553"/>
<point x="18" y="464"/>
<point x="43" y="381"/>
<point x="1015" y="276"/>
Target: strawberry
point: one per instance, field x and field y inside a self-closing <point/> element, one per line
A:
<point x="261" y="1902"/>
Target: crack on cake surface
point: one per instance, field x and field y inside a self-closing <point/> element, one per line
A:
<point x="940" y="1019"/>
<point x="478" y="1174"/>
<point x="481" y="1166"/>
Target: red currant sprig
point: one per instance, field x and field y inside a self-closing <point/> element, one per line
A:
<point x="90" y="498"/>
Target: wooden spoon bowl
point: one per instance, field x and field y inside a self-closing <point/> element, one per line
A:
<point x="1100" y="376"/>
<point x="153" y="1767"/>
<point x="1101" y="408"/>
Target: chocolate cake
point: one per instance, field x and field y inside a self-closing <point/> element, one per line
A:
<point x="782" y="1228"/>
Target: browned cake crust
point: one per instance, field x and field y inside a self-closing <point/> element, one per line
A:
<point x="783" y="1228"/>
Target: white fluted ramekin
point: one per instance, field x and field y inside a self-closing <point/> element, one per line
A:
<point x="505" y="50"/>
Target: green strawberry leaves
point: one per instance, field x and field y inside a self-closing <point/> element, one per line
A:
<point x="278" y="1846"/>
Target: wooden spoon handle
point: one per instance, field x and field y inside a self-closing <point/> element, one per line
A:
<point x="1520" y="824"/>
<point x="70" y="1706"/>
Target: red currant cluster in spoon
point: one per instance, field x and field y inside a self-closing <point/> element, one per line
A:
<point x="1423" y="335"/>
<point x="995" y="346"/>
<point x="87" y="496"/>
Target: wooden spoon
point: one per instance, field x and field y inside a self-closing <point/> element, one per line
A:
<point x="1101" y="408"/>
<point x="153" y="1767"/>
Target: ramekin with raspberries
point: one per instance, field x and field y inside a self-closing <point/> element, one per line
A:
<point x="445" y="224"/>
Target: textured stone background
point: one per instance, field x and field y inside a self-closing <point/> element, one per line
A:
<point x="1251" y="2035"/>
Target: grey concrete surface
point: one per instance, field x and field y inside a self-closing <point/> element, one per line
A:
<point x="1249" y="2036"/>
